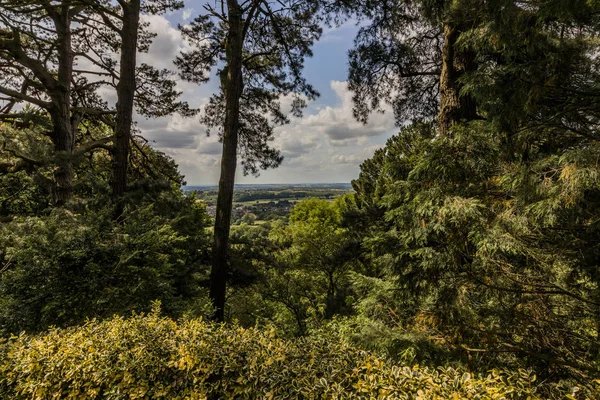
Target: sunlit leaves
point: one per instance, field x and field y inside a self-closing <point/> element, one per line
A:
<point x="154" y="357"/>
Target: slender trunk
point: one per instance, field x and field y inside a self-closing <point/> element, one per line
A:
<point x="330" y="306"/>
<point x="300" y="320"/>
<point x="232" y="85"/>
<point x="454" y="107"/>
<point x="63" y="134"/>
<point x="125" y="96"/>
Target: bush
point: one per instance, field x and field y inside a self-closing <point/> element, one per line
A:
<point x="59" y="269"/>
<point x="154" y="357"/>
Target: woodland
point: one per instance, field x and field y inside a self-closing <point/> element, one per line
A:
<point x="465" y="263"/>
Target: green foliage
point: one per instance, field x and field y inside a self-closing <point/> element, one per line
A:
<point x="24" y="177"/>
<point x="471" y="243"/>
<point x="493" y="253"/>
<point x="154" y="357"/>
<point x="315" y="211"/>
<point x="21" y="195"/>
<point x="482" y="234"/>
<point x="274" y="41"/>
<point x="292" y="275"/>
<point x="62" y="268"/>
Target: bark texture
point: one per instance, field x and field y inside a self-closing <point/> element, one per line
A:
<point x="125" y="100"/>
<point x="232" y="85"/>
<point x="454" y="107"/>
<point x="63" y="133"/>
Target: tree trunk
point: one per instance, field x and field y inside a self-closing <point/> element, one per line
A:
<point x="454" y="107"/>
<point x="232" y="85"/>
<point x="330" y="305"/>
<point x="63" y="139"/>
<point x="63" y="134"/>
<point x="125" y="96"/>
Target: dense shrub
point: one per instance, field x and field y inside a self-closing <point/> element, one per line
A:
<point x="155" y="357"/>
<point x="59" y="269"/>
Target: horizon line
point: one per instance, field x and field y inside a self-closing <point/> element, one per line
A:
<point x="298" y="183"/>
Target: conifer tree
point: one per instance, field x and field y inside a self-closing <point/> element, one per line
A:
<point x="258" y="47"/>
<point x="407" y="56"/>
<point x="118" y="27"/>
<point x="37" y="49"/>
<point x="489" y="221"/>
<point x="58" y="54"/>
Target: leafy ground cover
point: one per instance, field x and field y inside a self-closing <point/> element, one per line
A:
<point x="153" y="357"/>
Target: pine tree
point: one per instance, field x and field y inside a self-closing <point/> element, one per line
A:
<point x="259" y="47"/>
<point x="407" y="57"/>
<point x="43" y="48"/>
<point x="37" y="51"/>
<point x="117" y="27"/>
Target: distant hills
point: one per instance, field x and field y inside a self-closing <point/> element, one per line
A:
<point x="271" y="186"/>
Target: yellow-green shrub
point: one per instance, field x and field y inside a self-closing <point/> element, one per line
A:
<point x="148" y="357"/>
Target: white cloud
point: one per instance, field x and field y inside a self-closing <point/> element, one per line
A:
<point x="338" y="124"/>
<point x="209" y="145"/>
<point x="165" y="46"/>
<point x="187" y="13"/>
<point x="341" y="32"/>
<point x="326" y="145"/>
<point x="353" y="159"/>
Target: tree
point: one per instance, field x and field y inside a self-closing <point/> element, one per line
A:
<point x="321" y="245"/>
<point x="41" y="49"/>
<point x="407" y="56"/>
<point x="302" y="268"/>
<point x="488" y="221"/>
<point x="151" y="90"/>
<point x="259" y="47"/>
<point x="23" y="182"/>
<point x="37" y="51"/>
<point x="64" y="266"/>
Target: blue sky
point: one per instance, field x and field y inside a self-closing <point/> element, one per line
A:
<point x="326" y="145"/>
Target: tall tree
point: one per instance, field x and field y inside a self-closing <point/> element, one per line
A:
<point x="118" y="28"/>
<point x="125" y="94"/>
<point x="490" y="219"/>
<point x="259" y="47"/>
<point x="37" y="53"/>
<point x="53" y="65"/>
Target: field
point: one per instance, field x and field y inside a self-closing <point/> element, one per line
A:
<point x="255" y="204"/>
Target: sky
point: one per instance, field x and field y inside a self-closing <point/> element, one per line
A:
<point x="326" y="145"/>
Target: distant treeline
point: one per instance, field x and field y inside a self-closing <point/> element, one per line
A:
<point x="268" y="195"/>
<point x="255" y="195"/>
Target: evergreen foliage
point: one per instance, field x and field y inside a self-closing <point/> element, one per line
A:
<point x="59" y="267"/>
<point x="262" y="46"/>
<point x="301" y="269"/>
<point x="495" y="252"/>
<point x="277" y="37"/>
<point x="485" y="223"/>
<point x="63" y="268"/>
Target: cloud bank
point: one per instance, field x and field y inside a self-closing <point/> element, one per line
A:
<point x="326" y="145"/>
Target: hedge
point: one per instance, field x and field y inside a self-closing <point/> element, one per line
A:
<point x="152" y="357"/>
